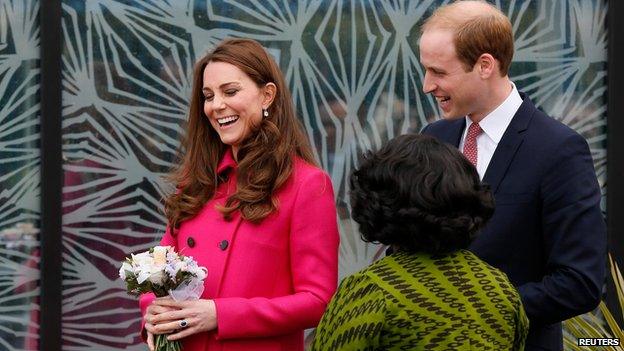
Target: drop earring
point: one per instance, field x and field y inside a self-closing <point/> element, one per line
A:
<point x="265" y="113"/>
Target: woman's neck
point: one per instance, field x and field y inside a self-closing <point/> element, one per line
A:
<point x="235" y="153"/>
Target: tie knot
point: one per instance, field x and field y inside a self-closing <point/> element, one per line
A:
<point x="474" y="130"/>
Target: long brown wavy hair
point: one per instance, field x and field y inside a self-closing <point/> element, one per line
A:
<point x="265" y="159"/>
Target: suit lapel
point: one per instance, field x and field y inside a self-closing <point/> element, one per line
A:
<point x="453" y="134"/>
<point x="509" y="144"/>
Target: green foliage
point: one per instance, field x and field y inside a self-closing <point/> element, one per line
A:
<point x="162" y="344"/>
<point x="136" y="289"/>
<point x="600" y="323"/>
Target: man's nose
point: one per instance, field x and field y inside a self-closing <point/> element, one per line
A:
<point x="428" y="85"/>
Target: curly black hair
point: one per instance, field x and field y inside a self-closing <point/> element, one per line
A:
<point x="419" y="195"/>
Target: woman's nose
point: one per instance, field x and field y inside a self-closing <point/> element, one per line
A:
<point x="218" y="103"/>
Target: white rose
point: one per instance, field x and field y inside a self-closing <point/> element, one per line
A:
<point x="160" y="255"/>
<point x="142" y="276"/>
<point x="180" y="266"/>
<point x="157" y="276"/>
<point x="142" y="260"/>
<point x="125" y="267"/>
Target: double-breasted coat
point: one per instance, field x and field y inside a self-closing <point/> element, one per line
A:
<point x="271" y="280"/>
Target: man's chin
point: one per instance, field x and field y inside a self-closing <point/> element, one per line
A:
<point x="450" y="115"/>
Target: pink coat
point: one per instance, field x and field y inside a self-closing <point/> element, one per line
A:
<point x="269" y="281"/>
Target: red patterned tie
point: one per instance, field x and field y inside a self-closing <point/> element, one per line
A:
<point x="470" y="144"/>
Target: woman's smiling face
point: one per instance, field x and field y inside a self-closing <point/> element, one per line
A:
<point x="233" y="102"/>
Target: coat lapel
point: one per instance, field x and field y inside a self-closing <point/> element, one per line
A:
<point x="509" y="144"/>
<point x="226" y="171"/>
<point x="229" y="230"/>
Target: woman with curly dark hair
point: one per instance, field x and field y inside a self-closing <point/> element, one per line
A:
<point x="246" y="186"/>
<point x="424" y="199"/>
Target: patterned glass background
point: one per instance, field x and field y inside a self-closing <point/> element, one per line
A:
<point x="19" y="174"/>
<point x="352" y="67"/>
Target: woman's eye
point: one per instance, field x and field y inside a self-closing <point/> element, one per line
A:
<point x="231" y="92"/>
<point x="208" y="97"/>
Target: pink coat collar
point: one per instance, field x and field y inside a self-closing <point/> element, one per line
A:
<point x="227" y="161"/>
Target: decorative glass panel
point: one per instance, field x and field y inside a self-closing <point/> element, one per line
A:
<point x="19" y="175"/>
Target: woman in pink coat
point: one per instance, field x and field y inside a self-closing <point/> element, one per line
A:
<point x="253" y="208"/>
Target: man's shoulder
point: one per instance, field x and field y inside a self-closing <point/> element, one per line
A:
<point x="443" y="123"/>
<point x="550" y="130"/>
<point x="540" y="123"/>
<point x="443" y="127"/>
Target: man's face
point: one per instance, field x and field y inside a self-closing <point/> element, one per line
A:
<point x="457" y="92"/>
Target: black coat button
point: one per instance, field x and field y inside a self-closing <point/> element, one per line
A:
<point x="190" y="242"/>
<point x="223" y="245"/>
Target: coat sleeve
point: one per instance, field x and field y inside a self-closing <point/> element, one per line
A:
<point x="313" y="264"/>
<point x="574" y="235"/>
<point x="146" y="299"/>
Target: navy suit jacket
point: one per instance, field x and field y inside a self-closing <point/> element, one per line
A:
<point x="547" y="232"/>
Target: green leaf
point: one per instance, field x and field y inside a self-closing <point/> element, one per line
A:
<point x="599" y="323"/>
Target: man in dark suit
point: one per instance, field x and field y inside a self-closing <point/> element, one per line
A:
<point x="547" y="233"/>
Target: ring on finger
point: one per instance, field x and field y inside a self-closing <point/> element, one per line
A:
<point x="183" y="323"/>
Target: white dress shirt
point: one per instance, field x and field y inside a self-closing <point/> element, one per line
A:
<point x="493" y="126"/>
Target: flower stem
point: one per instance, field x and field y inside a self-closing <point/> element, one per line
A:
<point x="162" y="344"/>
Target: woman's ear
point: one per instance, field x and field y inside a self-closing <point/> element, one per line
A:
<point x="268" y="92"/>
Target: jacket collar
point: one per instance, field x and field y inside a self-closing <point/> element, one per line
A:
<point x="227" y="161"/>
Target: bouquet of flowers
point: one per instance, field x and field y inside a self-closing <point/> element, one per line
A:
<point x="164" y="272"/>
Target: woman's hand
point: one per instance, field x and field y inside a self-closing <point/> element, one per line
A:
<point x="166" y="316"/>
<point x="151" y="313"/>
<point x="150" y="341"/>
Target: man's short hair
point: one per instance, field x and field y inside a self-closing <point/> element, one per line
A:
<point x="478" y="28"/>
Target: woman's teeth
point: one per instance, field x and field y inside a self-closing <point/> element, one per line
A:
<point x="227" y="120"/>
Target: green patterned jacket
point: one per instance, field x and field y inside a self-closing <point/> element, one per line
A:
<point x="423" y="302"/>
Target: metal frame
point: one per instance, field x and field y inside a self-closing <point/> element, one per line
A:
<point x="51" y="176"/>
<point x="615" y="144"/>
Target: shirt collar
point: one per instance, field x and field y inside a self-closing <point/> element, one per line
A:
<point x="227" y="161"/>
<point x="497" y="121"/>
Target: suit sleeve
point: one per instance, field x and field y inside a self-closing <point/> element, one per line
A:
<point x="146" y="299"/>
<point x="425" y="130"/>
<point x="314" y="267"/>
<point x="575" y="242"/>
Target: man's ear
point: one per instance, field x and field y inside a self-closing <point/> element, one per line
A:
<point x="268" y="91"/>
<point x="487" y="66"/>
